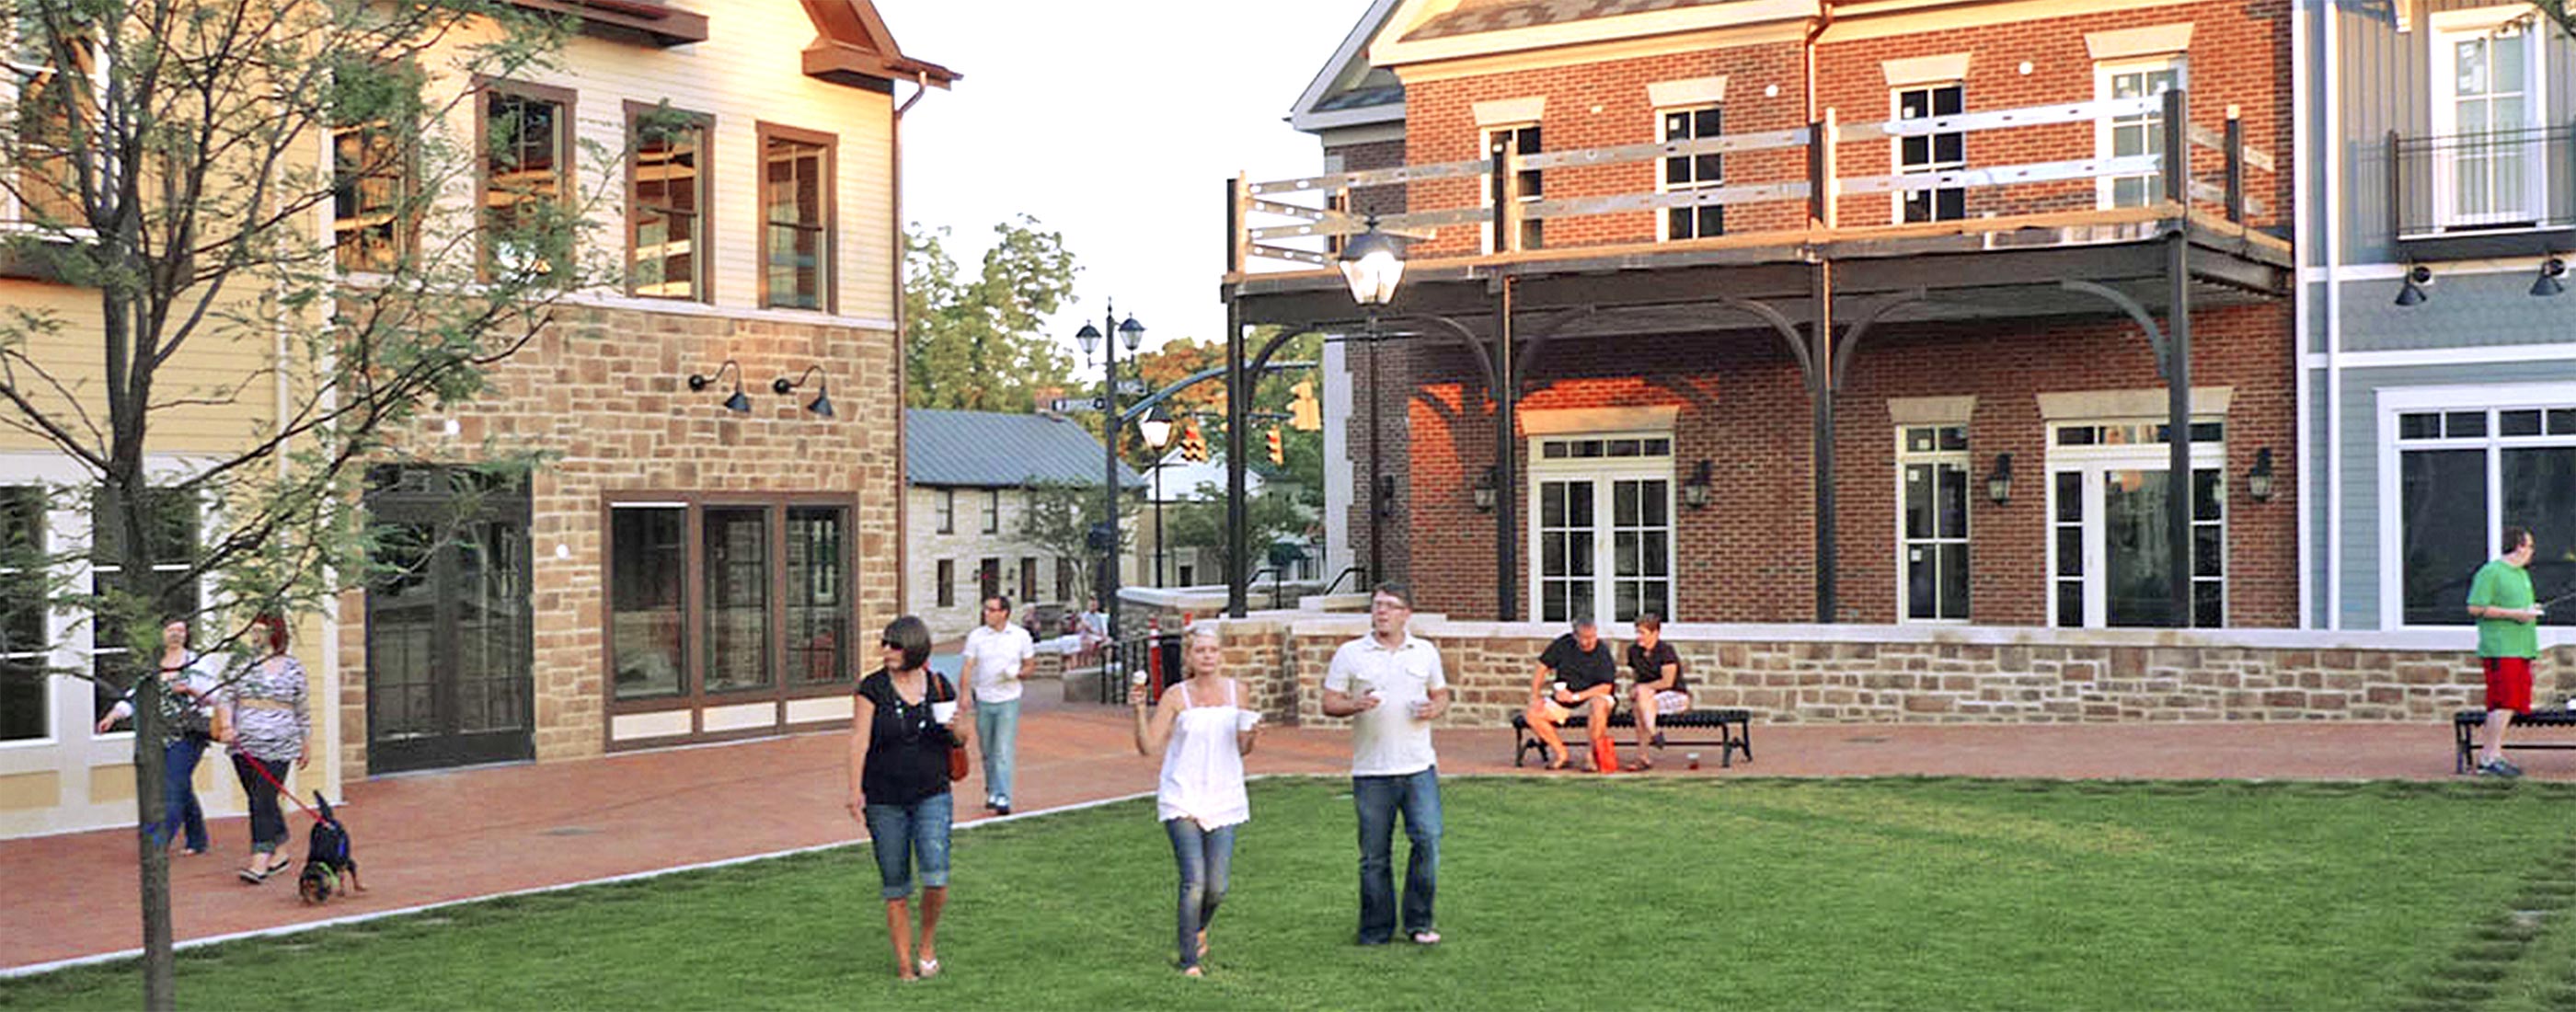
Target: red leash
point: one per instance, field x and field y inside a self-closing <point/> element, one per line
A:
<point x="260" y="766"/>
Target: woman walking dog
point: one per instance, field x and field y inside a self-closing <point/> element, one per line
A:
<point x="269" y="725"/>
<point x="1203" y="731"/>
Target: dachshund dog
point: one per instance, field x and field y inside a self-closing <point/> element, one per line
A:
<point x="327" y="862"/>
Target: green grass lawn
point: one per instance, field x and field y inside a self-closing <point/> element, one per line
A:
<point x="1559" y="894"/>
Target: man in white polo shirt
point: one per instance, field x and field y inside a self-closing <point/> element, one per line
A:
<point x="1390" y="684"/>
<point x="994" y="653"/>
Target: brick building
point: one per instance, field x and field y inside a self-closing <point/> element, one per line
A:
<point x="1922" y="245"/>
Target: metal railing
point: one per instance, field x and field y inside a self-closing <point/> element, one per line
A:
<point x="1502" y="207"/>
<point x="2484" y="181"/>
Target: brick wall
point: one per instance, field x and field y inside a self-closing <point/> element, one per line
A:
<point x="2239" y="54"/>
<point x="1749" y="556"/>
<point x="1896" y="675"/>
<point x="603" y="389"/>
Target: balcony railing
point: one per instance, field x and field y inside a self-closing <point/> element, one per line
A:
<point x="2485" y="183"/>
<point x="1294" y="221"/>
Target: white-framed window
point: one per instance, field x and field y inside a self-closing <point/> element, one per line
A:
<point x="2456" y="465"/>
<point x="1691" y="172"/>
<point x="2109" y="553"/>
<point x="26" y="635"/>
<point x="1941" y="152"/>
<point x="1523" y="141"/>
<point x="946" y="501"/>
<point x="176" y="527"/>
<point x="2141" y="134"/>
<point x="992" y="511"/>
<point x="1601" y="530"/>
<point x="2487" y="101"/>
<point x="1932" y="484"/>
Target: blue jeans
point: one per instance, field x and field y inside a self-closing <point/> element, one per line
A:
<point x="1206" y="857"/>
<point x="998" y="725"/>
<point x="902" y="833"/>
<point x="268" y="832"/>
<point x="1378" y="799"/>
<point x="179" y="808"/>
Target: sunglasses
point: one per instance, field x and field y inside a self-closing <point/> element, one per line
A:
<point x="889" y="645"/>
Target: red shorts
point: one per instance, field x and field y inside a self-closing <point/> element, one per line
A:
<point x="2508" y="683"/>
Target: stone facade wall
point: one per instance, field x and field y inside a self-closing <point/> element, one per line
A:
<point x="603" y="389"/>
<point x="1883" y="674"/>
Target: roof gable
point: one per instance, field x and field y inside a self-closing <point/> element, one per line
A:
<point x="992" y="449"/>
<point x="852" y="46"/>
<point x="1349" y="91"/>
<point x="1424" y="31"/>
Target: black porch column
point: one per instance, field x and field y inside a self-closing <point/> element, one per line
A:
<point x="1237" y="394"/>
<point x="1506" y="505"/>
<point x="1820" y="393"/>
<point x="2178" y="483"/>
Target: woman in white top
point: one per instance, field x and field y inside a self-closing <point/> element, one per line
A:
<point x="1203" y="732"/>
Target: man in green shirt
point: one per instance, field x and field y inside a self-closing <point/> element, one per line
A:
<point x="2508" y="638"/>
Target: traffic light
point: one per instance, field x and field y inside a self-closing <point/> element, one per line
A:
<point x="1278" y="449"/>
<point x="1194" y="445"/>
<point x="1304" y="411"/>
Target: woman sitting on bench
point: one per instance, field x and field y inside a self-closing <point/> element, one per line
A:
<point x="1584" y="679"/>
<point x="1659" y="690"/>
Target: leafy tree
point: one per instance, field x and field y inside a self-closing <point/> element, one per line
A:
<point x="1272" y="515"/>
<point x="975" y="343"/>
<point x="1059" y="519"/>
<point x="161" y="155"/>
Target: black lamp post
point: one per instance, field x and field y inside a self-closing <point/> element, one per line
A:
<point x="1373" y="266"/>
<point x="1156" y="427"/>
<point x="1130" y="333"/>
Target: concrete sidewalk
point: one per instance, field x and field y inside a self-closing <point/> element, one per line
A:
<point x="432" y="838"/>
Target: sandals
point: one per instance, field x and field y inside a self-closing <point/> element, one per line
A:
<point x="929" y="968"/>
<point x="1561" y="761"/>
<point x="1639" y="764"/>
<point x="256" y="876"/>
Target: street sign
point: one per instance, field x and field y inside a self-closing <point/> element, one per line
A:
<point x="1069" y="405"/>
<point x="1131" y="387"/>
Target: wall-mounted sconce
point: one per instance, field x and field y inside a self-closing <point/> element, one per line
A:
<point x="1485" y="491"/>
<point x="2547" y="284"/>
<point x="2411" y="291"/>
<point x="1999" y="480"/>
<point x="822" y="402"/>
<point x="1695" y="491"/>
<point x="738" y="404"/>
<point x="2258" y="479"/>
<point x="1385" y="497"/>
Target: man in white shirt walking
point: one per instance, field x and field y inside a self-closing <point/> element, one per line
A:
<point x="1390" y="684"/>
<point x="994" y="653"/>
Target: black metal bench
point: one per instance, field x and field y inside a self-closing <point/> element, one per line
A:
<point x="2465" y="725"/>
<point x="1734" y="732"/>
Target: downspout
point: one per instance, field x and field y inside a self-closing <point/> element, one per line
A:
<point x="2333" y="144"/>
<point x="2304" y="398"/>
<point x="902" y="347"/>
<point x="1824" y="21"/>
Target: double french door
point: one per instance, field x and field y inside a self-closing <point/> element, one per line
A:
<point x="1603" y="546"/>
<point x="448" y="622"/>
<point x="2110" y="546"/>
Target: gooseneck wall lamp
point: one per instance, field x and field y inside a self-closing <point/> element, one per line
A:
<point x="822" y="402"/>
<point x="2547" y="284"/>
<point x="2410" y="292"/>
<point x="737" y="403"/>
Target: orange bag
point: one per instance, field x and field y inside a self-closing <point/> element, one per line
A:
<point x="1605" y="755"/>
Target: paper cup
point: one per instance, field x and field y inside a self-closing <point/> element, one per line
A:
<point x="1245" y="720"/>
<point x="943" y="712"/>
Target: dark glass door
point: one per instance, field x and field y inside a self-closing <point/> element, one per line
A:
<point x="448" y="623"/>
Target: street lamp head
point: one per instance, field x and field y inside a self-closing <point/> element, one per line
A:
<point x="1131" y="333"/>
<point x="1089" y="337"/>
<point x="1372" y="266"/>
<point x="1156" y="428"/>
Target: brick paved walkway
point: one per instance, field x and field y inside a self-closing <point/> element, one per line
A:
<point x="438" y="837"/>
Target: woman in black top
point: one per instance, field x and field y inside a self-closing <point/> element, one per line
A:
<point x="1660" y="689"/>
<point x="899" y="784"/>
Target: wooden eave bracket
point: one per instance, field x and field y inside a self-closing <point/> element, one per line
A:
<point x="856" y="66"/>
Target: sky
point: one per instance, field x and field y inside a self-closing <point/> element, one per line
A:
<point x="1114" y="122"/>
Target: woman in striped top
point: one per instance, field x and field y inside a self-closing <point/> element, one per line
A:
<point x="269" y="729"/>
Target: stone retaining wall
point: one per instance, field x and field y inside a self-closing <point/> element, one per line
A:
<point x="1885" y="674"/>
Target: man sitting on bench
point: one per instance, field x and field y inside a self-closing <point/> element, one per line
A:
<point x="1659" y="687"/>
<point x="1576" y="673"/>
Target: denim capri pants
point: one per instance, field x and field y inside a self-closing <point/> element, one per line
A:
<point x="903" y="834"/>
